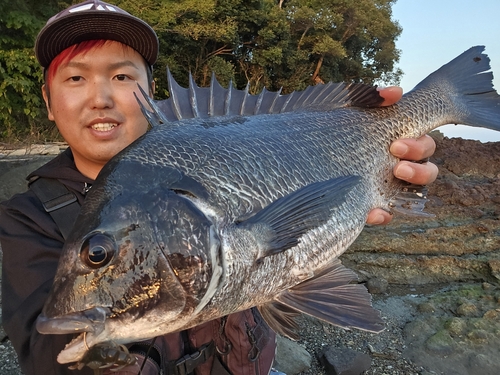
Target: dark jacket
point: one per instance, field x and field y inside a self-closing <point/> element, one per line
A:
<point x="32" y="243"/>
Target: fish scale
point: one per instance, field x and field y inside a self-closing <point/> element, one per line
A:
<point x="238" y="200"/>
<point x="316" y="155"/>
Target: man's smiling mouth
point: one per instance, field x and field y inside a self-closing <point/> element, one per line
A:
<point x="104" y="126"/>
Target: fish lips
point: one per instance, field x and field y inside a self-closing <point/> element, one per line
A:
<point x="92" y="320"/>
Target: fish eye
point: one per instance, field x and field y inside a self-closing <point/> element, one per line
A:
<point x="97" y="250"/>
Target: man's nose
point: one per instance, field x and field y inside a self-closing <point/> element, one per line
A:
<point x="101" y="94"/>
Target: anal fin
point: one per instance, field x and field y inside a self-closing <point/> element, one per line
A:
<point x="329" y="296"/>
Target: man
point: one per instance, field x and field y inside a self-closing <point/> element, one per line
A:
<point x="93" y="55"/>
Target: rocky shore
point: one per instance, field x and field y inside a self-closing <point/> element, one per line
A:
<point x="436" y="280"/>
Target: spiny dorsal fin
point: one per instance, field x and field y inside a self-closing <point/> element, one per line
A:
<point x="203" y="102"/>
<point x="192" y="96"/>
<point x="157" y="116"/>
<point x="216" y="91"/>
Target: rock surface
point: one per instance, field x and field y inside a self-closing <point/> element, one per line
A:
<point x="435" y="280"/>
<point x="344" y="361"/>
<point x="291" y="357"/>
<point x="461" y="242"/>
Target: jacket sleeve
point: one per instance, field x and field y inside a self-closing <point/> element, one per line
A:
<point x="31" y="245"/>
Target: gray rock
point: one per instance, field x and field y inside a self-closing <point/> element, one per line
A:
<point x="344" y="361"/>
<point x="467" y="309"/>
<point x="13" y="174"/>
<point x="440" y="343"/>
<point x="377" y="285"/>
<point x="482" y="364"/>
<point x="291" y="357"/>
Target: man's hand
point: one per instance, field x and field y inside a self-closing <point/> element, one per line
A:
<point x="415" y="173"/>
<point x="409" y="150"/>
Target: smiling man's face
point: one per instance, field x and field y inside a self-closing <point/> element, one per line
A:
<point x="93" y="105"/>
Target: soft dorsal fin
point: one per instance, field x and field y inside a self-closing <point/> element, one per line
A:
<point x="410" y="200"/>
<point x="203" y="102"/>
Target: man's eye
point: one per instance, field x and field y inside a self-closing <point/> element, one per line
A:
<point x="121" y="77"/>
<point x="75" y="78"/>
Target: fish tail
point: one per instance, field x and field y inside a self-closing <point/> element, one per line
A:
<point x="469" y="85"/>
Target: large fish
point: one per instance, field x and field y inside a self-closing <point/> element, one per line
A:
<point x="234" y="200"/>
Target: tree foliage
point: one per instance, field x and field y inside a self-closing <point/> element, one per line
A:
<point x="277" y="44"/>
<point x="21" y="105"/>
<point x="286" y="44"/>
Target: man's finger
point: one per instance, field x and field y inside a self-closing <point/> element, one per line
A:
<point x="413" y="149"/>
<point x="378" y="216"/>
<point x="390" y="94"/>
<point x="415" y="173"/>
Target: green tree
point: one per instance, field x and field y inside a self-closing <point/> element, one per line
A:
<point x="21" y="104"/>
<point x="276" y="44"/>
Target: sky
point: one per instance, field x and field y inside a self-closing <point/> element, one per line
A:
<point x="435" y="32"/>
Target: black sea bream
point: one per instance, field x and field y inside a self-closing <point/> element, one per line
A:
<point x="234" y="200"/>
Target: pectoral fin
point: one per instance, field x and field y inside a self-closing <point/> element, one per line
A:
<point x="279" y="226"/>
<point x="329" y="296"/>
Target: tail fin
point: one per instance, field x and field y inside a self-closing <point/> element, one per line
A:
<point x="467" y="80"/>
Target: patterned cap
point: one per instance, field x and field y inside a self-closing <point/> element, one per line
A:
<point x="92" y="20"/>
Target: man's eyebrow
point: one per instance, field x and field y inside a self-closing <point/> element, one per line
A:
<point x="74" y="64"/>
<point x="113" y="66"/>
<point x="124" y="63"/>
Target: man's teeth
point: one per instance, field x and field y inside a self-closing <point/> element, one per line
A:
<point x="104" y="126"/>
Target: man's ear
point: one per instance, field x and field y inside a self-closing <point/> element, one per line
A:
<point x="46" y="98"/>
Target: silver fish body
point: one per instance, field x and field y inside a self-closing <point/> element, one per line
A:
<point x="219" y="211"/>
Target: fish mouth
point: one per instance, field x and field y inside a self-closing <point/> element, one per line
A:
<point x="90" y="323"/>
<point x="92" y="320"/>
